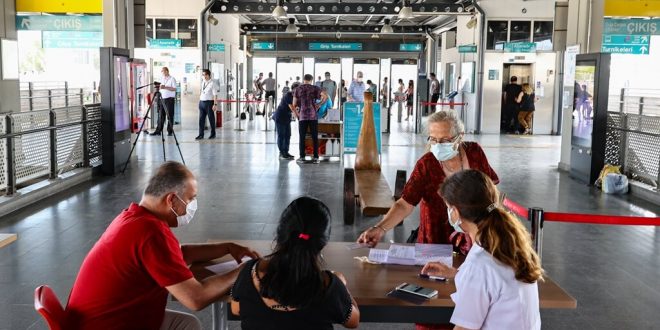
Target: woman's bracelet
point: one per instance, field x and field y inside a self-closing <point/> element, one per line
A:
<point x="381" y="228"/>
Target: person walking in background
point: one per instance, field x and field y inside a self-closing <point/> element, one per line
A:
<point x="288" y="289"/>
<point x="410" y="98"/>
<point x="286" y="88"/>
<point x="207" y="104"/>
<point x="496" y="287"/>
<point x="168" y="94"/>
<point x="270" y="86"/>
<point x="510" y="113"/>
<point x="330" y="86"/>
<point x="357" y="88"/>
<point x="434" y="90"/>
<point x="304" y="101"/>
<point x="344" y="92"/>
<point x="318" y="82"/>
<point x="258" y="89"/>
<point x="282" y="118"/>
<point x="373" y="89"/>
<point x="526" y="99"/>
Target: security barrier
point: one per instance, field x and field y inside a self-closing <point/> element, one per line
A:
<point x="48" y="95"/>
<point x="43" y="144"/>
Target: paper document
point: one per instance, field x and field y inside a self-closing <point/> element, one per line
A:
<point x="225" y="267"/>
<point x="419" y="254"/>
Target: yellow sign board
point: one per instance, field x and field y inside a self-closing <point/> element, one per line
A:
<point x="636" y="8"/>
<point x="60" y="6"/>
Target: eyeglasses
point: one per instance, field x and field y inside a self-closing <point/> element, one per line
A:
<point x="433" y="140"/>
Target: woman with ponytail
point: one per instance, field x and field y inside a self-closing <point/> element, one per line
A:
<point x="289" y="289"/>
<point x="496" y="286"/>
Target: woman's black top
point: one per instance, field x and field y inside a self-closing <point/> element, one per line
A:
<point x="527" y="102"/>
<point x="334" y="307"/>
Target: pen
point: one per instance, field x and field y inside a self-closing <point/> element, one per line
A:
<point x="433" y="278"/>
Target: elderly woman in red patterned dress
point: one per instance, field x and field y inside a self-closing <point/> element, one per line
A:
<point x="446" y="154"/>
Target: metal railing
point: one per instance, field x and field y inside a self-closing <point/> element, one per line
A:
<point x="48" y="95"/>
<point x="43" y="144"/>
<point x="633" y="134"/>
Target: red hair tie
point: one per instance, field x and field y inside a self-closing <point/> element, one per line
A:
<point x="304" y="236"/>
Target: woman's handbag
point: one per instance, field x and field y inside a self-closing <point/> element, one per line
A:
<point x="413" y="236"/>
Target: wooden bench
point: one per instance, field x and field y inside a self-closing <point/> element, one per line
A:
<point x="370" y="190"/>
<point x="6" y="239"/>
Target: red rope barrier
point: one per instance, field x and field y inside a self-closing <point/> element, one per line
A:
<point x="516" y="208"/>
<point x="243" y="101"/>
<point x="601" y="219"/>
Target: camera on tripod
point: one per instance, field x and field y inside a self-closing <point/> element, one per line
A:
<point x="156" y="86"/>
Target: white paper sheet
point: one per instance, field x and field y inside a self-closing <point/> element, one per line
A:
<point x="225" y="267"/>
<point x="378" y="255"/>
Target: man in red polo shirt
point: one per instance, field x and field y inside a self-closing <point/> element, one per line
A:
<point x="124" y="280"/>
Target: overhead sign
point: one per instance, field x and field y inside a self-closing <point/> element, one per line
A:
<point x="323" y="46"/>
<point x="410" y="47"/>
<point x="261" y="45"/>
<point x="59" y="23"/>
<point x="520" y="47"/>
<point x="71" y="39"/>
<point x="215" y="47"/>
<point x="60" y="6"/>
<point x="164" y="43"/>
<point x="638" y="26"/>
<point x="650" y="8"/>
<point x="467" y="49"/>
<point x="626" y="49"/>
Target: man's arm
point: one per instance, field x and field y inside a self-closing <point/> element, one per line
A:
<point x="294" y="106"/>
<point x="196" y="295"/>
<point x="206" y="252"/>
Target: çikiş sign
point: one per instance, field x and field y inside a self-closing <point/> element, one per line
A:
<point x="631" y="26"/>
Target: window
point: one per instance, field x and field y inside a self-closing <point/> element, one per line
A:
<point x="165" y="28"/>
<point x="497" y="34"/>
<point x="520" y="31"/>
<point x="187" y="32"/>
<point x="149" y="28"/>
<point x="543" y="35"/>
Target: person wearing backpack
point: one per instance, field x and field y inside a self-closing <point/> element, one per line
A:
<point x="526" y="99"/>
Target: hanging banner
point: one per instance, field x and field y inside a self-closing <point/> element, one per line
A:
<point x="353" y="112"/>
<point x="650" y="8"/>
<point x="60" y="6"/>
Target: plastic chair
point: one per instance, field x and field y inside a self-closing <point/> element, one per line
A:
<point x="47" y="304"/>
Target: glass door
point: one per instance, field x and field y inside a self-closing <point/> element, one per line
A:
<point x="289" y="69"/>
<point x="370" y="68"/>
<point x="404" y="71"/>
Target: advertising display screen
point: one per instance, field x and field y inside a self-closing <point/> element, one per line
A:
<point x="121" y="97"/>
<point x="583" y="107"/>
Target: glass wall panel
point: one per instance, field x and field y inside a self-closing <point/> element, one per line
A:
<point x="543" y="35"/>
<point x="520" y="31"/>
<point x="497" y="34"/>
<point x="188" y="32"/>
<point x="165" y="28"/>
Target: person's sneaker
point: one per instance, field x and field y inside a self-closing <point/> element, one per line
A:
<point x="199" y="137"/>
<point x="284" y="157"/>
<point x="211" y="137"/>
<point x="300" y="161"/>
<point x="170" y="134"/>
<point x="289" y="156"/>
<point x="155" y="133"/>
<point x="315" y="160"/>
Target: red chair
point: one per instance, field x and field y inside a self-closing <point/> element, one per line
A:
<point x="47" y="304"/>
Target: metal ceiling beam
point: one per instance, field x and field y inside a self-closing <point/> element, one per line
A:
<point x="241" y="7"/>
<point x="257" y="29"/>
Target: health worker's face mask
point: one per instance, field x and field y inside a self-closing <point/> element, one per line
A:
<point x="456" y="225"/>
<point x="186" y="218"/>
<point x="444" y="151"/>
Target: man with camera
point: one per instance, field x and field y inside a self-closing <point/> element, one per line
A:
<point x="168" y="93"/>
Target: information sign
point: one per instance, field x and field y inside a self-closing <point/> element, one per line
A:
<point x="353" y="112"/>
<point x="322" y="46"/>
<point x="60" y="23"/>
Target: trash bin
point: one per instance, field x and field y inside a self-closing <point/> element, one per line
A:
<point x="218" y="118"/>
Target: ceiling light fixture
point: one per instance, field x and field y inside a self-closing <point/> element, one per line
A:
<point x="299" y="35"/>
<point x="291" y="28"/>
<point x="406" y="12"/>
<point x="279" y="12"/>
<point x="471" y="23"/>
<point x="212" y="20"/>
<point x="387" y="28"/>
<point x="375" y="36"/>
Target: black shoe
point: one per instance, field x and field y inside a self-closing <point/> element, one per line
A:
<point x="289" y="156"/>
<point x="170" y="134"/>
<point x="155" y="133"/>
<point x="300" y="160"/>
<point x="199" y="137"/>
<point x="211" y="137"/>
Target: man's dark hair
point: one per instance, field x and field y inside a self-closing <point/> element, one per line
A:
<point x="369" y="81"/>
<point x="295" y="85"/>
<point x="514" y="79"/>
<point x="308" y="77"/>
<point x="327" y="73"/>
<point x="207" y="71"/>
<point x="170" y="177"/>
<point x="432" y="75"/>
<point x="270" y="75"/>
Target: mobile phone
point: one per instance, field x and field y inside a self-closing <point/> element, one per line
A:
<point x="417" y="290"/>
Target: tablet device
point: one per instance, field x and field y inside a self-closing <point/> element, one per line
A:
<point x="417" y="290"/>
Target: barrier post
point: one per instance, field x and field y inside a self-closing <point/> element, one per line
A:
<point x="536" y="217"/>
<point x="238" y="117"/>
<point x="267" y="111"/>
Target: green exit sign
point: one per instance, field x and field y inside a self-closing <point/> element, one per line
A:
<point x="520" y="47"/>
<point x="164" y="43"/>
<point x="263" y="45"/>
<point x="215" y="47"/>
<point x="410" y="47"/>
<point x="467" y="49"/>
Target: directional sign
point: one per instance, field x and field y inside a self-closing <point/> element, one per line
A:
<point x="60" y="23"/>
<point x="215" y="47"/>
<point x="626" y="44"/>
<point x="322" y="46"/>
<point x="519" y="47"/>
<point x="410" y="47"/>
<point x="467" y="49"/>
<point x="261" y="45"/>
<point x="631" y="26"/>
<point x="164" y="43"/>
<point x="71" y="39"/>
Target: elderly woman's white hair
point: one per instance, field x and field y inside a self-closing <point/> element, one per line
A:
<point x="457" y="128"/>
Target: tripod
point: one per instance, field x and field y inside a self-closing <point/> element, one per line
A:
<point x="158" y="101"/>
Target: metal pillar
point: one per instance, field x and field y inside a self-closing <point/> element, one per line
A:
<point x="219" y="314"/>
<point x="536" y="218"/>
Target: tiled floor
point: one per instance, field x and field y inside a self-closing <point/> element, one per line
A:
<point x="612" y="271"/>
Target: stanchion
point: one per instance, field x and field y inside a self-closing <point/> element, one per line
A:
<point x="238" y="110"/>
<point x="536" y="218"/>
<point x="268" y="108"/>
